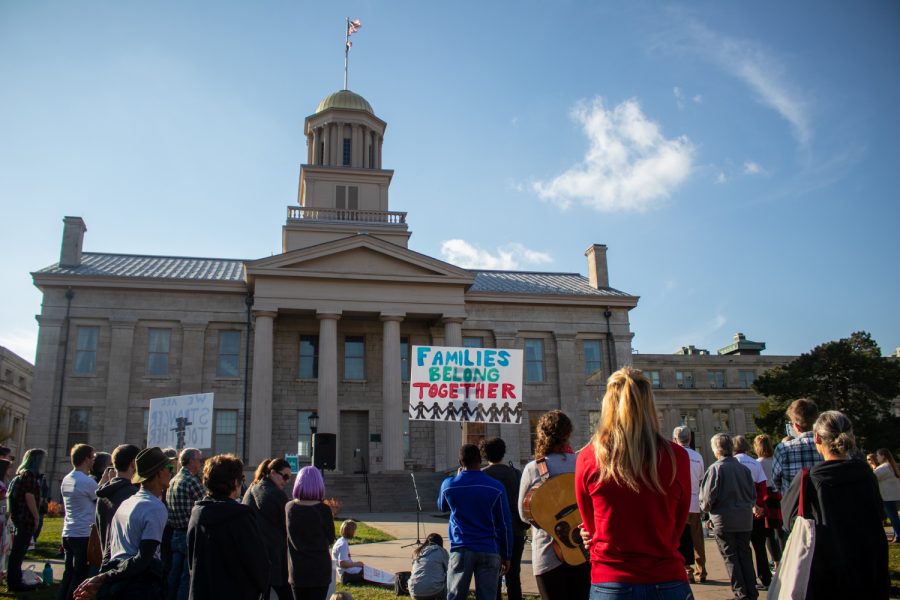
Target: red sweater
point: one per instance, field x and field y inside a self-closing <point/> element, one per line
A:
<point x="635" y="535"/>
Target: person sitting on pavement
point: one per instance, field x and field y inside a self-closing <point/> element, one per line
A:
<point x="348" y="570"/>
<point x="428" y="580"/>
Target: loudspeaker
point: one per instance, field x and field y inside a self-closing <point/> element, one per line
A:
<point x="325" y="451"/>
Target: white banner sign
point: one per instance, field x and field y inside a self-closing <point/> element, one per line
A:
<point x="377" y="575"/>
<point x="181" y="422"/>
<point x="482" y="385"/>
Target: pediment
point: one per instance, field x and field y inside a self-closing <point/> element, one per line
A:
<point x="359" y="257"/>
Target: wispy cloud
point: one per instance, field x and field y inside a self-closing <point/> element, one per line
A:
<point x="701" y="334"/>
<point x="681" y="98"/>
<point x="508" y="257"/>
<point x="629" y="165"/>
<point x="698" y="99"/>
<point x="759" y="69"/>
<point x="721" y="178"/>
<point x="753" y="168"/>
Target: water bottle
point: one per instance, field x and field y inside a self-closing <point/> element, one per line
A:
<point x="47" y="574"/>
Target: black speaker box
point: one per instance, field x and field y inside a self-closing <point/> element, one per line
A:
<point x="325" y="451"/>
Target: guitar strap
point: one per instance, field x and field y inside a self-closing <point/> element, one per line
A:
<point x="543" y="469"/>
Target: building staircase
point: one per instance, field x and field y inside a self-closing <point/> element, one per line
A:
<point x="390" y="492"/>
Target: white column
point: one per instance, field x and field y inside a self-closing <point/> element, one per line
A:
<point x="118" y="383"/>
<point x="455" y="432"/>
<point x="260" y="442"/>
<point x="392" y="403"/>
<point x="328" y="382"/>
<point x="512" y="433"/>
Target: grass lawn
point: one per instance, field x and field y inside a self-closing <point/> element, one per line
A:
<point x="894" y="566"/>
<point x="365" y="534"/>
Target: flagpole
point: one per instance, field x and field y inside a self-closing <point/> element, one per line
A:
<point x="346" y="51"/>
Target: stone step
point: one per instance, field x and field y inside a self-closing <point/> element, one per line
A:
<point x="390" y="492"/>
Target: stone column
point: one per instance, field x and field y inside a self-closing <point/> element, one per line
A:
<point x="378" y="142"/>
<point x="314" y="155"/>
<point x="192" y="346"/>
<point x="44" y="391"/>
<point x="568" y="379"/>
<point x="326" y="147"/>
<point x="356" y="146"/>
<point x="392" y="401"/>
<point x="455" y="432"/>
<point x="260" y="442"/>
<point x="118" y="383"/>
<point x="328" y="381"/>
<point x="512" y="433"/>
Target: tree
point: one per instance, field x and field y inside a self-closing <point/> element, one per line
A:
<point x="848" y="375"/>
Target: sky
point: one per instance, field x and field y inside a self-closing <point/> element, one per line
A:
<point x="739" y="160"/>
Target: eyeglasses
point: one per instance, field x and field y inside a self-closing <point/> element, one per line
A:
<point x="285" y="476"/>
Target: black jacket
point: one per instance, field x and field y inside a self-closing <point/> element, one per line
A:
<point x="224" y="545"/>
<point x="267" y="502"/>
<point x="850" y="556"/>
<point x="109" y="496"/>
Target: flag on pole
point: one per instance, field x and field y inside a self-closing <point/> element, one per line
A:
<point x="353" y="26"/>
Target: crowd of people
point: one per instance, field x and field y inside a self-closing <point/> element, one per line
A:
<point x="157" y="524"/>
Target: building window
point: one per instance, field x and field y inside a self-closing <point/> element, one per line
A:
<point x="86" y="350"/>
<point x="653" y="376"/>
<point x="407" y="454"/>
<point x="304" y="435"/>
<point x="746" y="378"/>
<point x="347" y="149"/>
<point x="404" y="359"/>
<point x="689" y="418"/>
<point x="346" y="197"/>
<point x="720" y="421"/>
<point x="225" y="438"/>
<point x="534" y="360"/>
<point x="716" y="379"/>
<point x="684" y="379"/>
<point x="158" y="351"/>
<point x="21" y="382"/>
<point x="354" y="357"/>
<point x="473" y="342"/>
<point x="79" y="427"/>
<point x="592" y="357"/>
<point x="229" y="354"/>
<point x="309" y="356"/>
<point x="8" y="375"/>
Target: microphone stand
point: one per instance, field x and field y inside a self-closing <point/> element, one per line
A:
<point x="418" y="541"/>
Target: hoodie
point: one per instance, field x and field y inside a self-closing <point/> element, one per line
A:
<point x="109" y="496"/>
<point x="850" y="557"/>
<point x="429" y="572"/>
<point x="224" y="543"/>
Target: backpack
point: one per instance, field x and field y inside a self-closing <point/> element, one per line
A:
<point x="401" y="583"/>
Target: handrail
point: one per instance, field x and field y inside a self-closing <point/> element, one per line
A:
<point x="304" y="213"/>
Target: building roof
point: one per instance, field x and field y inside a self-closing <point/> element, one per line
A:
<point x="96" y="264"/>
<point x="525" y="282"/>
<point x="345" y="99"/>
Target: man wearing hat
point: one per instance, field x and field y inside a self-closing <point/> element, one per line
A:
<point x="134" y="569"/>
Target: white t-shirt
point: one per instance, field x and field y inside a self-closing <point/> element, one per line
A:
<point x="139" y="518"/>
<point x="341" y="551"/>
<point x="79" y="493"/>
<point x="756" y="470"/>
<point x="697" y="470"/>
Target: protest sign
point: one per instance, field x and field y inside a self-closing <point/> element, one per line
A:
<point x="181" y="421"/>
<point x="482" y="385"/>
<point x="377" y="575"/>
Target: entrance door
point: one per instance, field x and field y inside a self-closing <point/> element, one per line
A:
<point x="354" y="441"/>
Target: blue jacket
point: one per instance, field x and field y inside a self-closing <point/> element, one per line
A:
<point x="479" y="513"/>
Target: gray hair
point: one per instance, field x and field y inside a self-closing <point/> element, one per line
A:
<point x="739" y="444"/>
<point x="682" y="434"/>
<point x="835" y="430"/>
<point x="186" y="455"/>
<point x="721" y="445"/>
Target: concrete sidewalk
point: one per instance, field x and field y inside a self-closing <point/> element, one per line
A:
<point x="392" y="556"/>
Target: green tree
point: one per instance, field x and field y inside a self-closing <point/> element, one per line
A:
<point x="848" y="375"/>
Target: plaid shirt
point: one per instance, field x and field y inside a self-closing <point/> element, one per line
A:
<point x="184" y="490"/>
<point x="791" y="457"/>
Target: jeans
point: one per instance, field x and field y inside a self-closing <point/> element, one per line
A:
<point x="76" y="566"/>
<point x="179" y="576"/>
<point x="21" y="539"/>
<point x="464" y="563"/>
<point x="735" y="549"/>
<point x="513" y="579"/>
<point x="890" y="509"/>
<point x="669" y="590"/>
<point x="565" y="582"/>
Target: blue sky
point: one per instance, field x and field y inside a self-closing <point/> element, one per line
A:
<point x="739" y="159"/>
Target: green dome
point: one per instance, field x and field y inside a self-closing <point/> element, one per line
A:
<point x="345" y="99"/>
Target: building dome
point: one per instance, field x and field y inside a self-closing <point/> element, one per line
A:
<point x="347" y="100"/>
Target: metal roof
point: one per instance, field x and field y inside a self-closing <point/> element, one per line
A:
<point x="94" y="264"/>
<point x="525" y="282"/>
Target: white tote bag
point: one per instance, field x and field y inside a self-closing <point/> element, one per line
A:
<point x="792" y="576"/>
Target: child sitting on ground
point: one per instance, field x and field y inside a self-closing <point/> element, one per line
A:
<point x="428" y="580"/>
<point x="349" y="571"/>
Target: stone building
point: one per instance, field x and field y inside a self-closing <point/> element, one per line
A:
<point x="16" y="376"/>
<point x="326" y="327"/>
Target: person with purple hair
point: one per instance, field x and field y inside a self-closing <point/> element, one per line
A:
<point x="310" y="534"/>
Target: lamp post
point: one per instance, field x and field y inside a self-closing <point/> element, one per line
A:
<point x="313" y="427"/>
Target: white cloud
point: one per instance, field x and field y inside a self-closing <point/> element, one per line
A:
<point x="679" y="97"/>
<point x="762" y="72"/>
<point x="21" y="341"/>
<point x="720" y="178"/>
<point x="514" y="121"/>
<point x="629" y="166"/>
<point x="753" y="168"/>
<point x="698" y="99"/>
<point x="509" y="257"/>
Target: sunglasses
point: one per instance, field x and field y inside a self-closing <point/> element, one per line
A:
<point x="285" y="476"/>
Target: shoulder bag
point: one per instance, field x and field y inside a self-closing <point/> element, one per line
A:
<point x="792" y="576"/>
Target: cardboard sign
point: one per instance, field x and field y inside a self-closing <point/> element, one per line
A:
<point x="181" y="422"/>
<point x="377" y="575"/>
<point x="293" y="461"/>
<point x="482" y="385"/>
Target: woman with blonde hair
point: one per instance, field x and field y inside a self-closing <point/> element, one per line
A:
<point x="553" y="456"/>
<point x="634" y="491"/>
<point x="889" y="485"/>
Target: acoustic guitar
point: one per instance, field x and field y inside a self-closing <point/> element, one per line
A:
<point x="550" y="505"/>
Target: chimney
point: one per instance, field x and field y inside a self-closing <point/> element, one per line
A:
<point x="598" y="274"/>
<point x="73" y="238"/>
